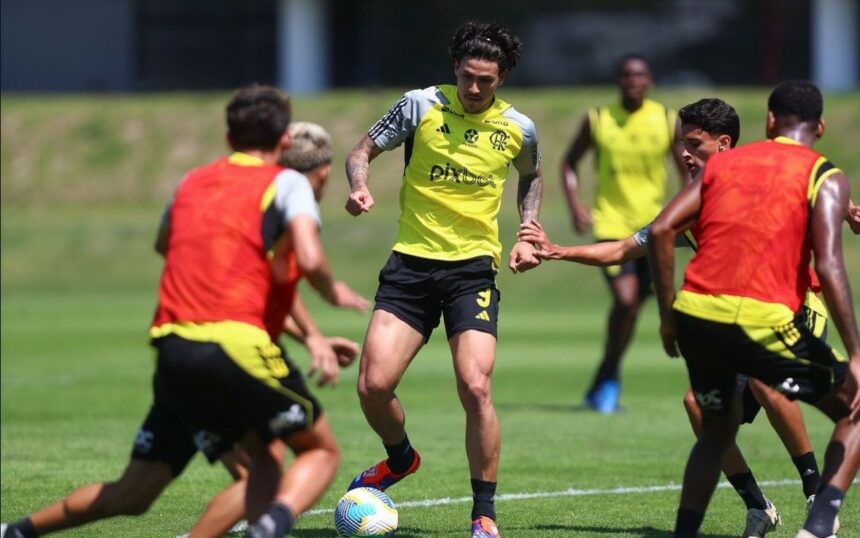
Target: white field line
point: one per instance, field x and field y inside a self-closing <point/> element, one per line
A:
<point x="570" y="492"/>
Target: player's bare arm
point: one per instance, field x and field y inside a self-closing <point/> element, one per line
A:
<point x="313" y="263"/>
<point x="674" y="219"/>
<point x="830" y="209"/>
<point x="579" y="212"/>
<point x="301" y="326"/>
<point x="529" y="196"/>
<point x="597" y="254"/>
<point x="345" y="349"/>
<point x="358" y="173"/>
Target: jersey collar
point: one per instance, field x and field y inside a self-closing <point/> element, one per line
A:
<point x="243" y="159"/>
<point x="787" y="140"/>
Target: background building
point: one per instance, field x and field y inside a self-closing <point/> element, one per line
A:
<point x="309" y="45"/>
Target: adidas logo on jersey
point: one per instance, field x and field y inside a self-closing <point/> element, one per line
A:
<point x="444" y="129"/>
<point x="483" y="316"/>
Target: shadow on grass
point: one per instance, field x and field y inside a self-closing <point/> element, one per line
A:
<point x="551" y="408"/>
<point x="641" y="532"/>
<point x="329" y="532"/>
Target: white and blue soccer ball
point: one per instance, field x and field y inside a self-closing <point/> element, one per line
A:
<point x="365" y="512"/>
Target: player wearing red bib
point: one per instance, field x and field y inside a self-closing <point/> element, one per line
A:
<point x="211" y="331"/>
<point x="762" y="212"/>
<point x="708" y="127"/>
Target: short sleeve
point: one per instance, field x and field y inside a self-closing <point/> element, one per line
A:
<point x="294" y="196"/>
<point x="527" y="160"/>
<point x="641" y="238"/>
<point x="399" y="123"/>
<point x="641" y="235"/>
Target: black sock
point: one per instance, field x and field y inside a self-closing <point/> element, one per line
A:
<point x="483" y="504"/>
<point x="22" y="528"/>
<point x="808" y="469"/>
<point x="687" y="523"/>
<point x="277" y="521"/>
<point x="607" y="372"/>
<point x="747" y="488"/>
<point x="823" y="512"/>
<point x="400" y="456"/>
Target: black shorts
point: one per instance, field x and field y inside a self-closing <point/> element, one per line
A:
<point x="638" y="267"/>
<point x="168" y="436"/>
<point x="164" y="437"/>
<point x="789" y="358"/>
<point x="223" y="391"/>
<point x="419" y="291"/>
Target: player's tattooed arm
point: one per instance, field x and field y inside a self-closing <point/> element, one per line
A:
<point x="529" y="195"/>
<point x="358" y="173"/>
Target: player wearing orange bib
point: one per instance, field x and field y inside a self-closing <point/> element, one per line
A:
<point x="708" y="127"/>
<point x="220" y="377"/>
<point x="762" y="211"/>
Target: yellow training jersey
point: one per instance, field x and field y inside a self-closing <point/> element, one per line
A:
<point x="456" y="166"/>
<point x="631" y="149"/>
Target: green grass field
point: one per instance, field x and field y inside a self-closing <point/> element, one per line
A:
<point x="83" y="183"/>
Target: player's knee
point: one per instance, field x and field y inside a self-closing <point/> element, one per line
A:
<point x="475" y="393"/>
<point x="626" y="305"/>
<point x="134" y="503"/>
<point x="373" y="390"/>
<point x="718" y="430"/>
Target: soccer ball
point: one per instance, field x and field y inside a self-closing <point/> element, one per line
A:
<point x="365" y="512"/>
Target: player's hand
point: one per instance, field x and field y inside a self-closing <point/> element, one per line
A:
<point x="581" y="218"/>
<point x="853" y="217"/>
<point x="345" y="297"/>
<point x="849" y="392"/>
<point x="345" y="349"/>
<point x="522" y="257"/>
<point x="359" y="202"/>
<point x="668" y="334"/>
<point x="324" y="360"/>
<point x="532" y="232"/>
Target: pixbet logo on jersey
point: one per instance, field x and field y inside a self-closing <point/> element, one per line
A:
<point x="460" y="175"/>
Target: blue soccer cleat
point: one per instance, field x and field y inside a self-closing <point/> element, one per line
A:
<point x="603" y="398"/>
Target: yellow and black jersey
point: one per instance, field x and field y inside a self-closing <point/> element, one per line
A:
<point x="456" y="167"/>
<point x="631" y="149"/>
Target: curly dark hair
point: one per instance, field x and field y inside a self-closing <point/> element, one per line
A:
<point x="486" y="41"/>
<point x="714" y="116"/>
<point x="798" y="98"/>
<point x="257" y="117"/>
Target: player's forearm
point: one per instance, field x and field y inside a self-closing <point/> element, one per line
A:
<point x="358" y="163"/>
<point x="600" y="254"/>
<point x="529" y="196"/>
<point x="570" y="186"/>
<point x="357" y="170"/>
<point x="661" y="254"/>
<point x="300" y="324"/>
<point x="837" y="295"/>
